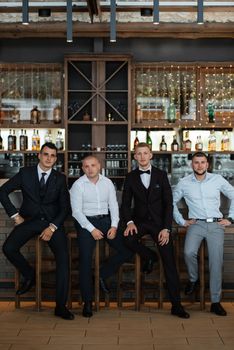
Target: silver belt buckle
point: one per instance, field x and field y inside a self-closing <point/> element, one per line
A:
<point x="209" y="220"/>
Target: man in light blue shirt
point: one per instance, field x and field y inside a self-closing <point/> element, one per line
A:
<point x="201" y="191"/>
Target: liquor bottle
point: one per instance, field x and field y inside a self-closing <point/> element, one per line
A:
<point x="35" y="115"/>
<point x="15" y="115"/>
<point x="1" y="143"/>
<point x="225" y="142"/>
<point x="10" y="141"/>
<point x="23" y="141"/>
<point x="59" y="141"/>
<point x="48" y="137"/>
<point x="212" y="141"/>
<point x="14" y="140"/>
<point x="171" y="113"/>
<point x="187" y="143"/>
<point x="199" y="144"/>
<point x="174" y="145"/>
<point x="26" y="139"/>
<point x="149" y="140"/>
<point x="136" y="141"/>
<point x="57" y="114"/>
<point x="38" y="141"/>
<point x="211" y="113"/>
<point x="34" y="140"/>
<point x="139" y="114"/>
<point x="163" y="145"/>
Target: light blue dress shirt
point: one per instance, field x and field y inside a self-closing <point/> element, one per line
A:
<point x="202" y="197"/>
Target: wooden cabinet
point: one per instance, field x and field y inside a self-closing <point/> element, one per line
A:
<point x="97" y="112"/>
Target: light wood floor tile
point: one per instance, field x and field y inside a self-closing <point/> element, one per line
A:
<point x="44" y="347"/>
<point x="84" y="340"/>
<point x="209" y="341"/>
<point x="51" y="332"/>
<point x="170" y="341"/>
<point x="5" y="346"/>
<point x="117" y="347"/>
<point x="24" y="340"/>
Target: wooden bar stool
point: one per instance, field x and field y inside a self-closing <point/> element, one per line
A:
<point x="37" y="277"/>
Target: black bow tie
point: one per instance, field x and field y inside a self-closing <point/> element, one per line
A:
<point x="144" y="172"/>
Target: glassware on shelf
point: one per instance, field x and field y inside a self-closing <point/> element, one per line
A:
<point x="139" y="114"/>
<point x="15" y="116"/>
<point x="187" y="143"/>
<point x="57" y="114"/>
<point x="211" y="113"/>
<point x="174" y="145"/>
<point x="86" y="117"/>
<point x="171" y="113"/>
<point x="225" y="142"/>
<point x="163" y="144"/>
<point x="35" y="115"/>
<point x="149" y="140"/>
<point x="199" y="144"/>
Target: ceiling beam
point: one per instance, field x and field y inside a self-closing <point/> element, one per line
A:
<point x="124" y="30"/>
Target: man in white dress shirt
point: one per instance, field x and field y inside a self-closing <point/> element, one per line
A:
<point x="201" y="191"/>
<point x="96" y="213"/>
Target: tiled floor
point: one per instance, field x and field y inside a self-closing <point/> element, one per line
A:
<point x="115" y="329"/>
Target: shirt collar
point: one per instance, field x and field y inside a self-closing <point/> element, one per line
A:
<point x="149" y="168"/>
<point x="86" y="179"/>
<point x="40" y="171"/>
<point x="207" y="176"/>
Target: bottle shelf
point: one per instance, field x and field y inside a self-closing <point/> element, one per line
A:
<point x="27" y="125"/>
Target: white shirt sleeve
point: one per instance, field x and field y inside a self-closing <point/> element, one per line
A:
<point x="76" y="194"/>
<point x="177" y="196"/>
<point x="113" y="205"/>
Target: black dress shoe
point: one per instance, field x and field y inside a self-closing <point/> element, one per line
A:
<point x="87" y="309"/>
<point x="218" y="309"/>
<point x="26" y="285"/>
<point x="103" y="286"/>
<point x="148" y="266"/>
<point x="62" y="311"/>
<point x="179" y="311"/>
<point x="190" y="287"/>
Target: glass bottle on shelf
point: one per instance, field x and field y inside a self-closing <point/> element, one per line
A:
<point x="212" y="141"/>
<point x="57" y="114"/>
<point x="48" y="137"/>
<point x="136" y="141"/>
<point x="174" y="145"/>
<point x="35" y="115"/>
<point x="149" y="140"/>
<point x="14" y="140"/>
<point x="199" y="144"/>
<point x="1" y="142"/>
<point x="187" y="143"/>
<point x="211" y="113"/>
<point x="34" y="140"/>
<point x="171" y="112"/>
<point x="10" y="141"/>
<point x="38" y="141"/>
<point x="15" y="115"/>
<point x="59" y="141"/>
<point x="26" y="139"/>
<point x="163" y="145"/>
<point x="139" y="114"/>
<point x="23" y="141"/>
<point x="225" y="142"/>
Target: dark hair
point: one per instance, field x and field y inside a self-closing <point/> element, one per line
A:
<point x="50" y="145"/>
<point x="200" y="154"/>
<point x="142" y="144"/>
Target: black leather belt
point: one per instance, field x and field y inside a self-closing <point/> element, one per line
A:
<point x="210" y="219"/>
<point x="98" y="216"/>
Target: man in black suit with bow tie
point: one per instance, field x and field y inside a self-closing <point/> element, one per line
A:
<point x="150" y="190"/>
<point x="44" y="208"/>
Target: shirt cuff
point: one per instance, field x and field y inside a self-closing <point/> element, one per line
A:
<point x="13" y="216"/>
<point x="90" y="227"/>
<point x="130" y="222"/>
<point x="54" y="226"/>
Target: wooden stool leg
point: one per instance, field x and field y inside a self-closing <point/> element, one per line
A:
<point x="202" y="275"/>
<point x="137" y="282"/>
<point x="119" y="287"/>
<point x="38" y="273"/>
<point x="96" y="288"/>
<point x="107" y="255"/>
<point x="69" y="298"/>
<point x="17" y="282"/>
<point x="161" y="292"/>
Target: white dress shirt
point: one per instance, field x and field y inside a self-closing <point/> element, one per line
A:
<point x="40" y="171"/>
<point x="145" y="178"/>
<point x="89" y="199"/>
<point x="202" y="197"/>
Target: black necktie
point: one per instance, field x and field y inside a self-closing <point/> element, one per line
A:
<point x="144" y="172"/>
<point x="42" y="184"/>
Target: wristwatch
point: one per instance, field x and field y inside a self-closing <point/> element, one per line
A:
<point x="230" y="219"/>
<point x="169" y="231"/>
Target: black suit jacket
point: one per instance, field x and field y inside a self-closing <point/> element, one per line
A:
<point x="54" y="206"/>
<point x="156" y="204"/>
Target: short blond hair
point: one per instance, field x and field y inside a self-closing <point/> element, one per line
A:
<point x="142" y="144"/>
<point x="90" y="157"/>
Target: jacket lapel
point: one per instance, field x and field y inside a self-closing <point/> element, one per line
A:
<point x="153" y="180"/>
<point x="140" y="188"/>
